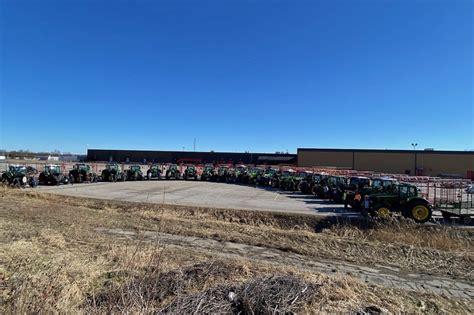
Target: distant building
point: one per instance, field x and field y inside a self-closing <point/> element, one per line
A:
<point x="141" y="156"/>
<point x="419" y="162"/>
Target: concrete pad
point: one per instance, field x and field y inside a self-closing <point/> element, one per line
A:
<point x="205" y="194"/>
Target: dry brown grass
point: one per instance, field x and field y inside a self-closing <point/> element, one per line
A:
<point x="53" y="260"/>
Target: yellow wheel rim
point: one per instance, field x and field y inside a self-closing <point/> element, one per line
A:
<point x="420" y="212"/>
<point x="383" y="212"/>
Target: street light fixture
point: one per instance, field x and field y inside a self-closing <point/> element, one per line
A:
<point x="414" y="145"/>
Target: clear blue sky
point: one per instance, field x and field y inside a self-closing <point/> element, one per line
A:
<point x="236" y="75"/>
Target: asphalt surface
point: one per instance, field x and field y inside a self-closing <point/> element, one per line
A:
<point x="205" y="194"/>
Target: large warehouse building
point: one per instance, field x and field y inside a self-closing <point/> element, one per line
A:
<point x="140" y="156"/>
<point x="419" y="162"/>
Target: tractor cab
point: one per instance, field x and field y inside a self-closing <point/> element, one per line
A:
<point x="288" y="173"/>
<point x="135" y="168"/>
<point x="383" y="184"/>
<point x="358" y="183"/>
<point x="52" y="169"/>
<point x="17" y="170"/>
<point x="112" y="167"/>
<point x="81" y="167"/>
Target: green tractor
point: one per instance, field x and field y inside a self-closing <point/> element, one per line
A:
<point x="251" y="176"/>
<point x="82" y="173"/>
<point x="207" y="172"/>
<point x="237" y="174"/>
<point x="172" y="171"/>
<point x="353" y="192"/>
<point x="337" y="186"/>
<point x="300" y="177"/>
<point x="331" y="187"/>
<point x="113" y="173"/>
<point x="222" y="174"/>
<point x="154" y="172"/>
<point x="20" y="176"/>
<point x="52" y="175"/>
<point x="134" y="173"/>
<point x="306" y="185"/>
<point x="190" y="172"/>
<point x="378" y="185"/>
<point x="265" y="178"/>
<point x="286" y="180"/>
<point x="402" y="198"/>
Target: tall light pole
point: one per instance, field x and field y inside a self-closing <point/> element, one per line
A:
<point x="414" y="145"/>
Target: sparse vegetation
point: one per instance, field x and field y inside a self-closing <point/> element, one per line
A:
<point x="55" y="257"/>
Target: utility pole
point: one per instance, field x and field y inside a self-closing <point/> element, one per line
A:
<point x="194" y="145"/>
<point x="414" y="145"/>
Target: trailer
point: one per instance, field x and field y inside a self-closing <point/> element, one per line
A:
<point x="452" y="198"/>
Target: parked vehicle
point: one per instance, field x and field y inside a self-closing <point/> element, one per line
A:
<point x="251" y="176"/>
<point x="285" y="180"/>
<point x="20" y="176"/>
<point x="403" y="198"/>
<point x="353" y="194"/>
<point x="154" y="172"/>
<point x="113" y="173"/>
<point x="134" y="172"/>
<point x="265" y="178"/>
<point x="207" y="172"/>
<point x="52" y="175"/>
<point x="82" y="173"/>
<point x="222" y="173"/>
<point x="190" y="172"/>
<point x="172" y="172"/>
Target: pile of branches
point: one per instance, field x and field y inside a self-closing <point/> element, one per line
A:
<point x="269" y="295"/>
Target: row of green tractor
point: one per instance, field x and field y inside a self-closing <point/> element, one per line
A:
<point x="377" y="197"/>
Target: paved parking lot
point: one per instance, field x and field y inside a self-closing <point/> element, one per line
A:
<point x="207" y="194"/>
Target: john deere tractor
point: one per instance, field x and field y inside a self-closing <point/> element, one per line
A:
<point x="112" y="173"/>
<point x="251" y="176"/>
<point x="172" y="172"/>
<point x="82" y="173"/>
<point x="377" y="185"/>
<point x="237" y="174"/>
<point x="402" y="198"/>
<point x="134" y="172"/>
<point x="265" y="178"/>
<point x="52" y="175"/>
<point x="154" y="172"/>
<point x="301" y="177"/>
<point x="19" y="176"/>
<point x="190" y="172"/>
<point x="207" y="172"/>
<point x="353" y="194"/>
<point x="222" y="173"/>
<point x="286" y="180"/>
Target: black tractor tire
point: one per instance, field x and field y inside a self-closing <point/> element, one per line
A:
<point x="72" y="180"/>
<point x="33" y="182"/>
<point x="16" y="183"/>
<point x="466" y="219"/>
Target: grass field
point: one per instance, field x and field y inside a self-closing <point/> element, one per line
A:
<point x="73" y="255"/>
